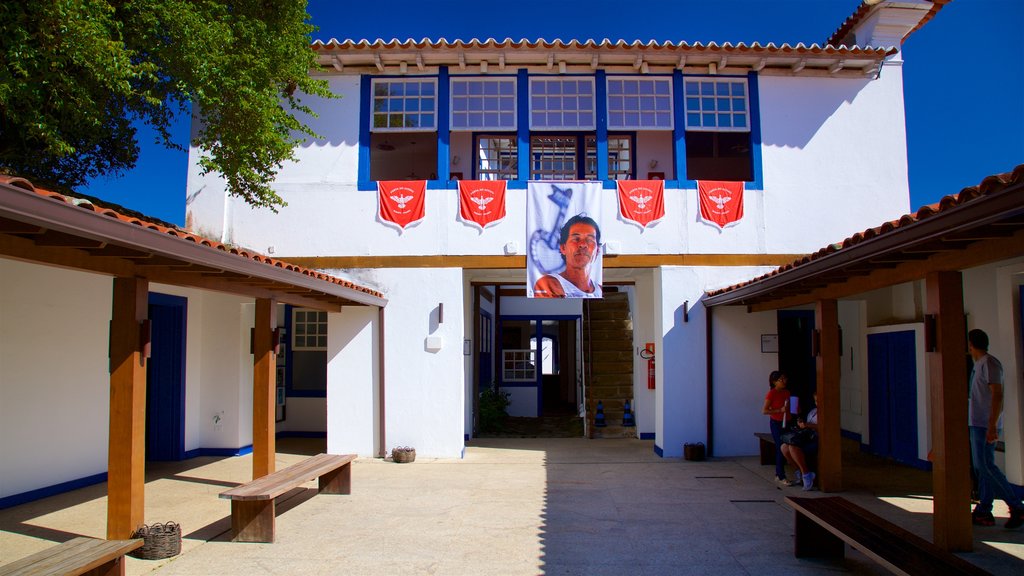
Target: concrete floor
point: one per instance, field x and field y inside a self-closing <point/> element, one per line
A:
<point x="511" y="506"/>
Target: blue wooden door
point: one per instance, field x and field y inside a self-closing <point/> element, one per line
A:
<point x="165" y="379"/>
<point x="892" y="395"/>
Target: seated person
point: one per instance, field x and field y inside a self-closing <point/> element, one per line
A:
<point x="798" y="455"/>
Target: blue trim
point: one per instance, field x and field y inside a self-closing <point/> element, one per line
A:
<point x="601" y="109"/>
<point x="365" y="105"/>
<point x="47" y="491"/>
<point x="444" y="89"/>
<point x="647" y="435"/>
<point x="219" y="452"/>
<point x="657" y="450"/>
<point x="679" y="128"/>
<point x="523" y="124"/>
<point x="465" y="438"/>
<point x="755" y="132"/>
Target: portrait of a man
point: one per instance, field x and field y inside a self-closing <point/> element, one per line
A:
<point x="579" y="245"/>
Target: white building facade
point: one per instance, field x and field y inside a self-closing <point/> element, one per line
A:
<point x="815" y="133"/>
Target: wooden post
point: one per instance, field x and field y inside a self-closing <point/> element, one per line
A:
<point x="126" y="452"/>
<point x="947" y="371"/>
<point x="830" y="448"/>
<point x="264" y="383"/>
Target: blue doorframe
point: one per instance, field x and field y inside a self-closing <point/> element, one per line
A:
<point x="539" y="335"/>
<point x="165" y="378"/>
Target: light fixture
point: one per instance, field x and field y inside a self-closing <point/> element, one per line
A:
<point x="653" y="163"/>
<point x="455" y="160"/>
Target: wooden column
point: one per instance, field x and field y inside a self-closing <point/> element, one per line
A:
<point x="126" y="453"/>
<point x="947" y="369"/>
<point x="264" y="448"/>
<point x="830" y="449"/>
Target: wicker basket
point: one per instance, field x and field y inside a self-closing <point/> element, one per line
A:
<point x="403" y="454"/>
<point x="160" y="541"/>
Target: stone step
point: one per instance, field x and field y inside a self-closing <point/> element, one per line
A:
<point x="613" y="431"/>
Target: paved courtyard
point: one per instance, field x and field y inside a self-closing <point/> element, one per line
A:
<point x="511" y="506"/>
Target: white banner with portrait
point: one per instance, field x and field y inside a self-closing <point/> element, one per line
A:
<point x="563" y="240"/>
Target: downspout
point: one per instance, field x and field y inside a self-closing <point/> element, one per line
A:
<point x="710" y="383"/>
<point x="382" y="450"/>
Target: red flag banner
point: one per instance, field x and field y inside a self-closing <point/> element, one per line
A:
<point x="481" y="202"/>
<point x="642" y="201"/>
<point x="721" y="203"/>
<point x="401" y="202"/>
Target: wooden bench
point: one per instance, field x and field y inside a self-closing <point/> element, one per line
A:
<point x="252" y="504"/>
<point x="767" y="447"/>
<point x="823" y="525"/>
<point x="80" y="555"/>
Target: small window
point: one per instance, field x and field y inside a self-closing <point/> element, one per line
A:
<point x="483" y="104"/>
<point x="718" y="105"/>
<point x="309" y="330"/>
<point x="620" y="157"/>
<point x="553" y="158"/>
<point x="718" y="138"/>
<point x="562" y="104"/>
<point x="519" y="365"/>
<point x="405" y="105"/>
<point x="497" y="157"/>
<point x="639" y="103"/>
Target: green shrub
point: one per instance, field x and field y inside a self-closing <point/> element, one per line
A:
<point x="492" y="410"/>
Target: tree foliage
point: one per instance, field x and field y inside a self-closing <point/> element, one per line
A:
<point x="75" y="74"/>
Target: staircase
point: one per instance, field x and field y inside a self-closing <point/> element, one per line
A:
<point x="608" y="361"/>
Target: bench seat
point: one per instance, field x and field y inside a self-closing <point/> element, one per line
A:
<point x="823" y="525"/>
<point x="81" y="555"/>
<point x="252" y="503"/>
<point x="767" y="444"/>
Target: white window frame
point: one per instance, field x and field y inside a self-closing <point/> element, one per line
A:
<point x="519" y="365"/>
<point x="563" y="128"/>
<point x="483" y="127"/>
<point x="489" y="173"/>
<point x="655" y="80"/>
<point x="700" y="126"/>
<point x="300" y="316"/>
<point x="615" y="171"/>
<point x="374" y="82"/>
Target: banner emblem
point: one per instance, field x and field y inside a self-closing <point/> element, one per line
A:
<point x="401" y="203"/>
<point x="721" y="203"/>
<point x="481" y="202"/>
<point x="642" y="201"/>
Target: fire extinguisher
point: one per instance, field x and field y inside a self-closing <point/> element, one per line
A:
<point x="648" y="354"/>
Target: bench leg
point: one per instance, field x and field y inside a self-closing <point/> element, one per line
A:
<point x="113" y="568"/>
<point x="814" y="541"/>
<point x="767" y="452"/>
<point x="338" y="481"/>
<point x="252" y="520"/>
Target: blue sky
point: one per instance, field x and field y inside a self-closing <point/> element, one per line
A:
<point x="963" y="72"/>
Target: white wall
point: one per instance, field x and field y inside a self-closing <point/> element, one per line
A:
<point x="741" y="372"/>
<point x="853" y="386"/>
<point x="54" y="379"/>
<point x="353" y="381"/>
<point x="424" y="390"/>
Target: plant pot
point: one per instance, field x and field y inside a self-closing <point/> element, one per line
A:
<point x="403" y="454"/>
<point x="160" y="541"/>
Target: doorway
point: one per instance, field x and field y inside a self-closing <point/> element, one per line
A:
<point x="165" y="378"/>
<point x="892" y="395"/>
<point x="796" y="355"/>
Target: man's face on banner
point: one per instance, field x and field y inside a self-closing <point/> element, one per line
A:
<point x="580" y="246"/>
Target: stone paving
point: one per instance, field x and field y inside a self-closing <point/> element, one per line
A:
<point x="511" y="506"/>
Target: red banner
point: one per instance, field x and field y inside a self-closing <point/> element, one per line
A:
<point x="481" y="202"/>
<point x="642" y="201"/>
<point x="721" y="203"/>
<point x="401" y="202"/>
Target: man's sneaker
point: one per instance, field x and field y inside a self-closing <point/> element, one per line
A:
<point x="780" y="482"/>
<point x="794" y="482"/>
<point x="1016" y="519"/>
<point x="982" y="518"/>
<point x="808" y="482"/>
